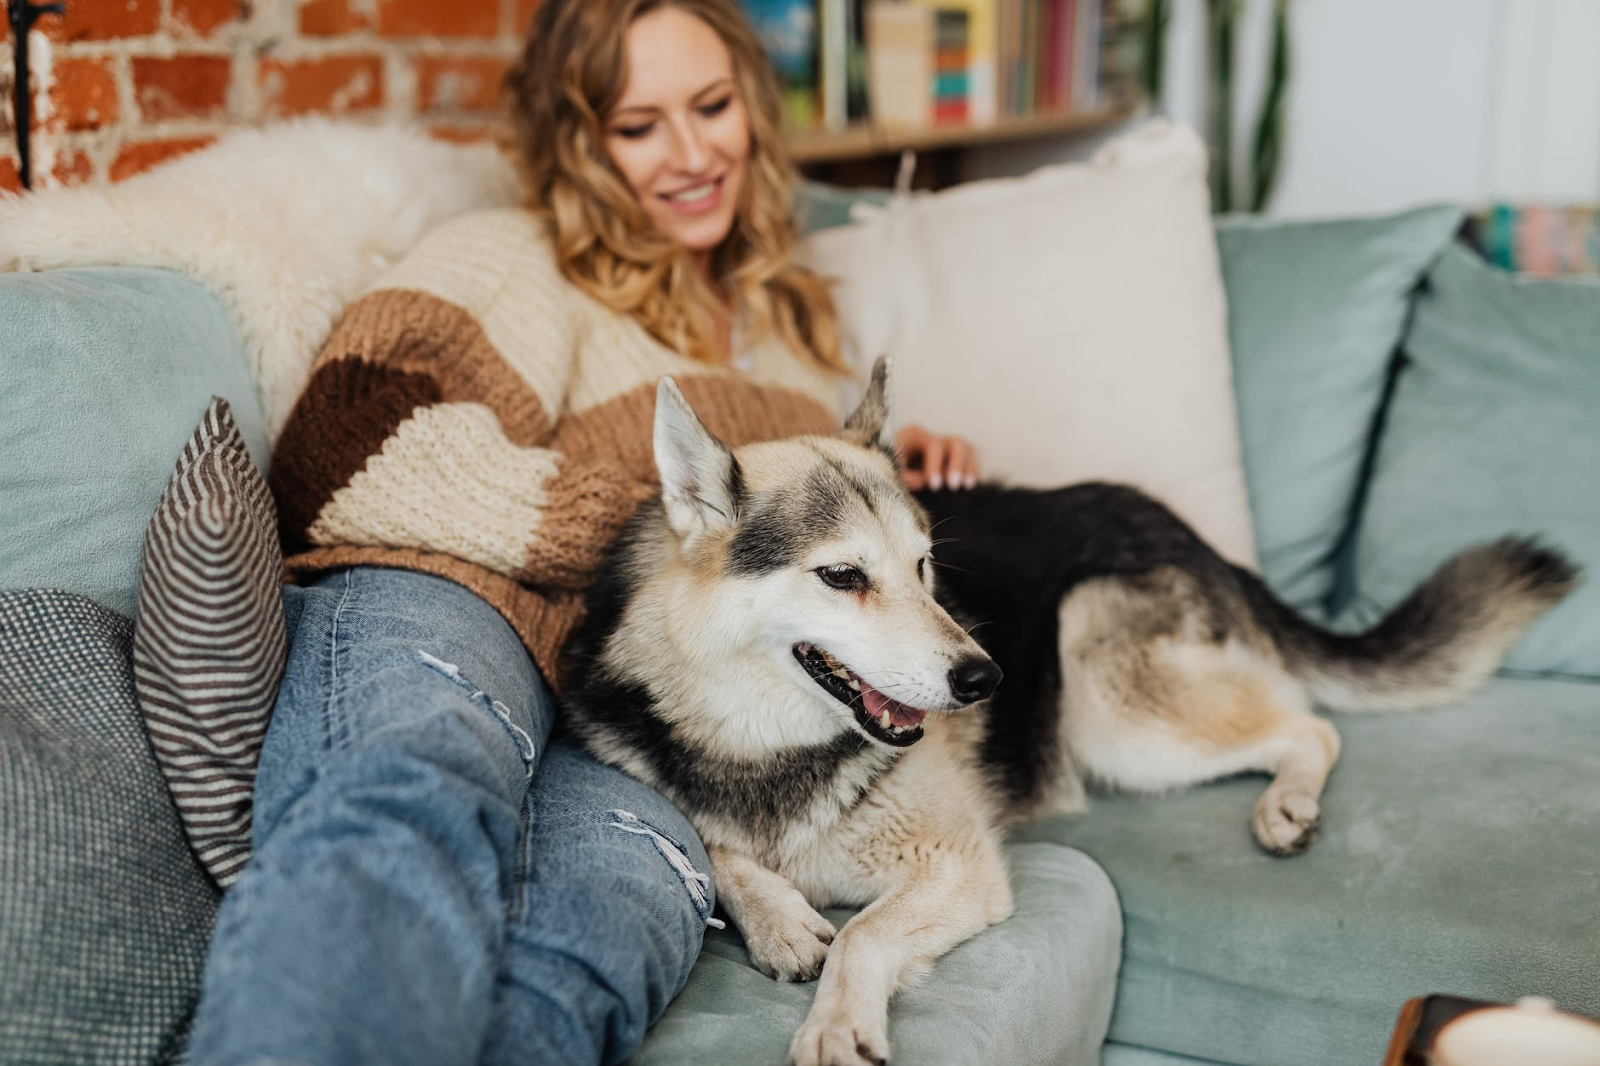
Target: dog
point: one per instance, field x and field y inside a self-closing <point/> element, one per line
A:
<point x="765" y="645"/>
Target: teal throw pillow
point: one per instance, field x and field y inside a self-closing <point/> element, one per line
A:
<point x="104" y="373"/>
<point x="1494" y="428"/>
<point x="820" y="206"/>
<point x="1315" y="313"/>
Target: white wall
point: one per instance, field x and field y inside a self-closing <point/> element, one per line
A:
<point x="1399" y="102"/>
<point x="1393" y="103"/>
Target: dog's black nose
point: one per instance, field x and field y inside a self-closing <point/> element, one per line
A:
<point x="974" y="679"/>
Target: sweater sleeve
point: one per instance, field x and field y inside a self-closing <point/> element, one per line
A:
<point x="428" y="420"/>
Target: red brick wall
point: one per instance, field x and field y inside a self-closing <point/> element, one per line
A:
<point x="122" y="84"/>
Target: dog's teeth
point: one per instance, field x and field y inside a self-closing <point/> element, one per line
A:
<point x="884" y="721"/>
<point x="855" y="686"/>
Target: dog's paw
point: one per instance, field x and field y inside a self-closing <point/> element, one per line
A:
<point x="841" y="1037"/>
<point x="1286" y="821"/>
<point x="789" y="944"/>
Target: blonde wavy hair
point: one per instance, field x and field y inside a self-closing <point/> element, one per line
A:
<point x="572" y="72"/>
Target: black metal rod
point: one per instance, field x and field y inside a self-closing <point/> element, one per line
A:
<point x="23" y="15"/>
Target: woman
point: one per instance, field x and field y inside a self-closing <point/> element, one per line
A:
<point x="434" y="881"/>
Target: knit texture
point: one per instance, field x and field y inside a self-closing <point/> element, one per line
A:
<point x="104" y="912"/>
<point x="476" y="416"/>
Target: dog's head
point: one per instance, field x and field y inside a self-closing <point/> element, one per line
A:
<point x="820" y="561"/>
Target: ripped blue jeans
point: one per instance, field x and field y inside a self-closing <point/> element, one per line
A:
<point x="433" y="881"/>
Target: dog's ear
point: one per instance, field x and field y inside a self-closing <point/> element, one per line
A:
<point x="700" y="478"/>
<point x="866" y="426"/>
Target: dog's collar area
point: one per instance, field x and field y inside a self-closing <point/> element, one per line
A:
<point x="883" y="719"/>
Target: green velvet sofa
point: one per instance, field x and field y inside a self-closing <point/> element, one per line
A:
<point x="1397" y="400"/>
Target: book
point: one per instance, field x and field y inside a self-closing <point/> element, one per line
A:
<point x="834" y="51"/>
<point x="952" y="62"/>
<point x="788" y="33"/>
<point x="900" y="57"/>
<point x="1084" y="93"/>
<point x="983" y="65"/>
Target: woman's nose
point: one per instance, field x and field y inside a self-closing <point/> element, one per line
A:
<point x="690" y="152"/>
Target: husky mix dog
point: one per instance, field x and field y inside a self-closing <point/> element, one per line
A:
<point x="765" y="646"/>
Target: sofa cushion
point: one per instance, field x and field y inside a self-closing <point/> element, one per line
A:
<point x="209" y="643"/>
<point x="105" y="373"/>
<point x="1455" y="856"/>
<point x="1315" y="314"/>
<point x="1071" y="323"/>
<point x="1494" y="429"/>
<point x="819" y="206"/>
<point x="1037" y="988"/>
<point x="104" y="914"/>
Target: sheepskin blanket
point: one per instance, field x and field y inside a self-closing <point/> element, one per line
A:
<point x="287" y="224"/>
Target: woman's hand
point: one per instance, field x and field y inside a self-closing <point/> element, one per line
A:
<point x="931" y="462"/>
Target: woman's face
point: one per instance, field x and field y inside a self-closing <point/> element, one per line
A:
<point x="679" y="134"/>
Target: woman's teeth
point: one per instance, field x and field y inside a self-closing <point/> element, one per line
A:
<point x="699" y="192"/>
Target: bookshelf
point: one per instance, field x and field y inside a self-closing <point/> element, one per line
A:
<point x="865" y="80"/>
<point x="865" y="141"/>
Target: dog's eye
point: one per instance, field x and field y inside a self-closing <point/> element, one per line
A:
<point x="922" y="569"/>
<point x="843" y="576"/>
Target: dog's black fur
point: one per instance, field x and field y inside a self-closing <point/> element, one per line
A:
<point x="1008" y="557"/>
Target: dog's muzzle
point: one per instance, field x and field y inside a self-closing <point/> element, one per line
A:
<point x="886" y="720"/>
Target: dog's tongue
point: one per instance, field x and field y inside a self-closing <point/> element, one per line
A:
<point x="876" y="702"/>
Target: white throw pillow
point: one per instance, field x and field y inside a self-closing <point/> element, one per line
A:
<point x="1071" y="323"/>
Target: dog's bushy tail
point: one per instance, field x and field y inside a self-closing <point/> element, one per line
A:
<point x="1440" y="643"/>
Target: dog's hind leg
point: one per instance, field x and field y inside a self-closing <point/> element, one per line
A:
<point x="1206" y="727"/>
<point x="1151" y="711"/>
<point x="1290" y="810"/>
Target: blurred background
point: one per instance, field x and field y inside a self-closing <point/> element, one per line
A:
<point x="1314" y="108"/>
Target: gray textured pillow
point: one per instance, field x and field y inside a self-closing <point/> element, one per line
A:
<point x="209" y="646"/>
<point x="104" y="913"/>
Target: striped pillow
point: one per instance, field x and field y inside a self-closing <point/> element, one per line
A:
<point x="209" y="644"/>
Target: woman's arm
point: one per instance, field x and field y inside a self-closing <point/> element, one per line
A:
<point x="428" y="421"/>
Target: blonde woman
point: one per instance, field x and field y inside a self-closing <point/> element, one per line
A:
<point x="435" y="880"/>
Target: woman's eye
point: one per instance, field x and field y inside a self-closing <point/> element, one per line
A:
<point x="713" y="110"/>
<point x="632" y="133"/>
<point x="844" y="577"/>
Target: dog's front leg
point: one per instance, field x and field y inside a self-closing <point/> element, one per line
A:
<point x="888" y="945"/>
<point x="785" y="937"/>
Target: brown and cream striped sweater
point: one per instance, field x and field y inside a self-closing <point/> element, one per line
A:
<point x="476" y="416"/>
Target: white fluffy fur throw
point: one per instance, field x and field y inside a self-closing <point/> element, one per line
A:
<point x="287" y="224"/>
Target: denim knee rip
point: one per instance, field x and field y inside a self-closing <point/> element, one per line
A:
<point x="525" y="745"/>
<point x="697" y="884"/>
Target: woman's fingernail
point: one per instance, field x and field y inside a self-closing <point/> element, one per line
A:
<point x="934" y="482"/>
<point x="972" y="481"/>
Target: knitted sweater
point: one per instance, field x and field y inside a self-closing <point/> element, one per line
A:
<point x="476" y="416"/>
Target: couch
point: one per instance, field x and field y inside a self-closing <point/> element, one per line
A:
<point x="1396" y="399"/>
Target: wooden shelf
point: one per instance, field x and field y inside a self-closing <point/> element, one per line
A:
<point x="862" y="142"/>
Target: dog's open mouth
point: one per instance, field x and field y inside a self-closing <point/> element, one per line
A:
<point x="883" y="718"/>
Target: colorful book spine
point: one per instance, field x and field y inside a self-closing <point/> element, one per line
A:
<point x="952" y="58"/>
